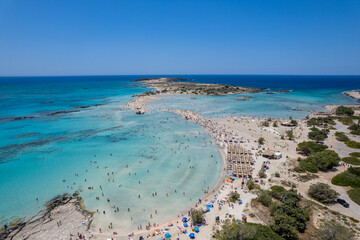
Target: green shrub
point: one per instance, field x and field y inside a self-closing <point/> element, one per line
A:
<point x="265" y="124"/>
<point x="284" y="226"/>
<point x="353" y="144"/>
<point x="354" y="194"/>
<point x="341" y="110"/>
<point x="233" y="230"/>
<point x="351" y="160"/>
<point x="354" y="220"/>
<point x="277" y="192"/>
<point x="291" y="198"/>
<point x="277" y="188"/>
<point x="323" y="193"/>
<point x="320" y="121"/>
<point x="299" y="168"/>
<point x="277" y="174"/>
<point x="294" y="122"/>
<point x="355" y="128"/>
<point x="324" y="160"/>
<point x="307" y="148"/>
<point x="333" y="230"/>
<point x="250" y="184"/>
<point x="349" y="178"/>
<point x="289" y="216"/>
<point x="340" y="136"/>
<point x="296" y="215"/>
<point x="355" y="154"/>
<point x="346" y="120"/>
<point x="317" y="134"/>
<point x="290" y="134"/>
<point x="265" y="198"/>
<point x="262" y="173"/>
<point x="234" y="196"/>
<point x="197" y="216"/>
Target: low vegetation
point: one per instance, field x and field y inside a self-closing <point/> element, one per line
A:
<point x="234" y="196"/>
<point x="294" y="122"/>
<point x="341" y="137"/>
<point x="262" y="173"/>
<point x="307" y="148"/>
<point x="351" y="160"/>
<point x="323" y="160"/>
<point x="353" y="144"/>
<point x="265" y="124"/>
<point x="321" y="121"/>
<point x="261" y="140"/>
<point x="234" y="230"/>
<point x="307" y="177"/>
<point x="335" y="231"/>
<point x="290" y="134"/>
<point x="355" y="128"/>
<point x="341" y="111"/>
<point x="346" y="120"/>
<point x="250" y="184"/>
<point x="355" y="154"/>
<point x="317" y="134"/>
<point x="197" y="216"/>
<point x="354" y="194"/>
<point x="323" y="193"/>
<point x="289" y="217"/>
<point x="349" y="178"/>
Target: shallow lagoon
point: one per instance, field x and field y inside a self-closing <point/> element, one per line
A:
<point x="52" y="153"/>
<point x="263" y="104"/>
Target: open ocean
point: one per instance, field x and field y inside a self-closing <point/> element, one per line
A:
<point x="66" y="134"/>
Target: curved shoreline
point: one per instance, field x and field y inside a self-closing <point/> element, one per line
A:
<point x="218" y="185"/>
<point x="142" y="101"/>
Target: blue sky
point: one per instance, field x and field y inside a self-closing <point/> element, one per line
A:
<point x="80" y="37"/>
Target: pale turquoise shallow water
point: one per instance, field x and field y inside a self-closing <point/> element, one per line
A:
<point x="276" y="105"/>
<point x="39" y="153"/>
<point x="49" y="155"/>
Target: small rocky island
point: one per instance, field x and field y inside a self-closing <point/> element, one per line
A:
<point x="181" y="86"/>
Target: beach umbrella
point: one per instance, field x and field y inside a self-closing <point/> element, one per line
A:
<point x="167" y="235"/>
<point x="184" y="219"/>
<point x="192" y="235"/>
<point x="196" y="229"/>
<point x="185" y="225"/>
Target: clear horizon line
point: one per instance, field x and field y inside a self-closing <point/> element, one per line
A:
<point x="217" y="74"/>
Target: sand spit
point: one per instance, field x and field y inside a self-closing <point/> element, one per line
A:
<point x="139" y="103"/>
<point x="64" y="218"/>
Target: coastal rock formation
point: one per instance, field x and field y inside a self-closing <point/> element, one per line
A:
<point x="354" y="94"/>
<point x="63" y="218"/>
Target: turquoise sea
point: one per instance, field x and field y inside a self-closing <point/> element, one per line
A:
<point x="66" y="134"/>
